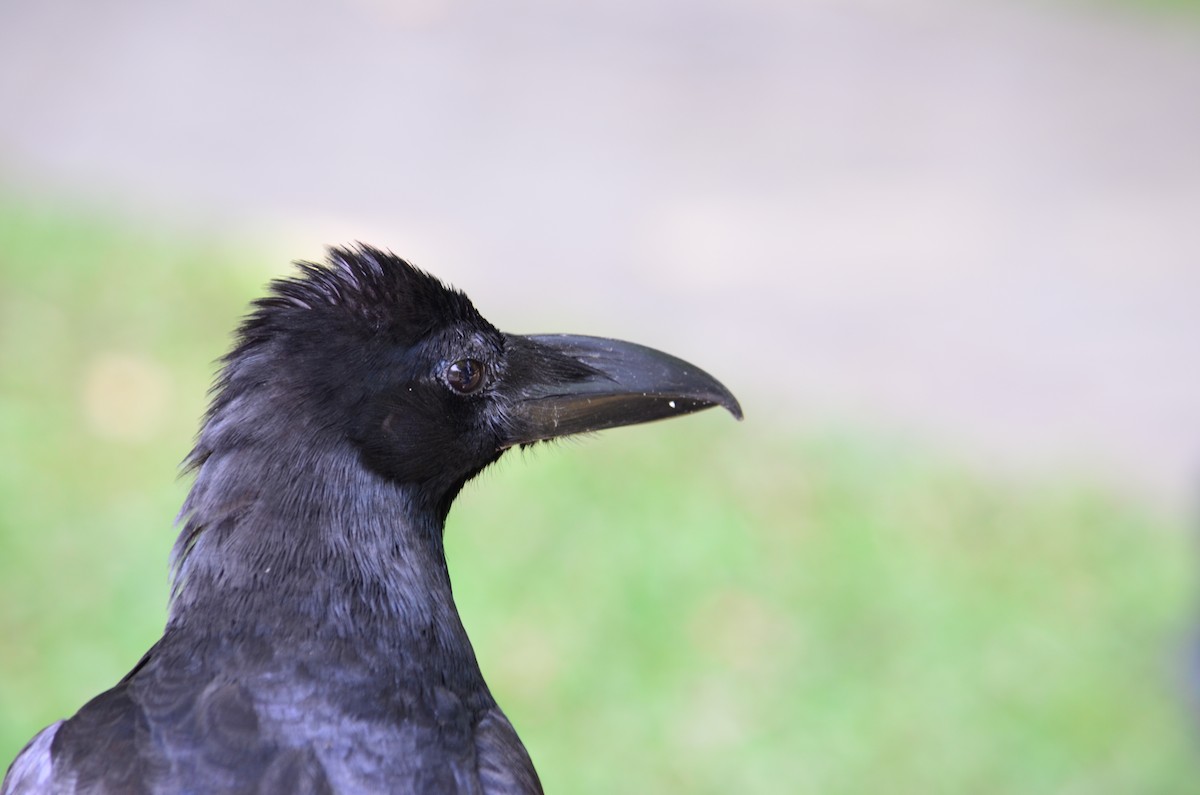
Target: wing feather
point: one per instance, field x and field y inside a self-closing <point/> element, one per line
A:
<point x="33" y="769"/>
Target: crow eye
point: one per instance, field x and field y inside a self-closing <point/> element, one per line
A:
<point x="465" y="376"/>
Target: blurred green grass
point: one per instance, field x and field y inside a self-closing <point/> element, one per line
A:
<point x="695" y="606"/>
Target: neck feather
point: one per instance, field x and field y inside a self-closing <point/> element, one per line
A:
<point x="310" y="545"/>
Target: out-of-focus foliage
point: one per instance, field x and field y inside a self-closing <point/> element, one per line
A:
<point x="1189" y="6"/>
<point x="695" y="606"/>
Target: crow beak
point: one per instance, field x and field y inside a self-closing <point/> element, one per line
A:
<point x="559" y="384"/>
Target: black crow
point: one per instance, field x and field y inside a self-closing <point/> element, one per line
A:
<point x="312" y="643"/>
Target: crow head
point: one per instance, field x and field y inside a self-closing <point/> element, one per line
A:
<point x="371" y="351"/>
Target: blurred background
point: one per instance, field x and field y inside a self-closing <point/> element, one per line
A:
<point x="947" y="253"/>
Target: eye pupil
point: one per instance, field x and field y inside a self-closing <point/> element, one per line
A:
<point x="465" y="376"/>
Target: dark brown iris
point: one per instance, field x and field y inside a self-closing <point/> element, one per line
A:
<point x="465" y="376"/>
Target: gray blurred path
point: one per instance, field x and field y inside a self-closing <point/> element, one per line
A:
<point x="976" y="220"/>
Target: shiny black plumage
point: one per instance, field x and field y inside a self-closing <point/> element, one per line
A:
<point x="312" y="643"/>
